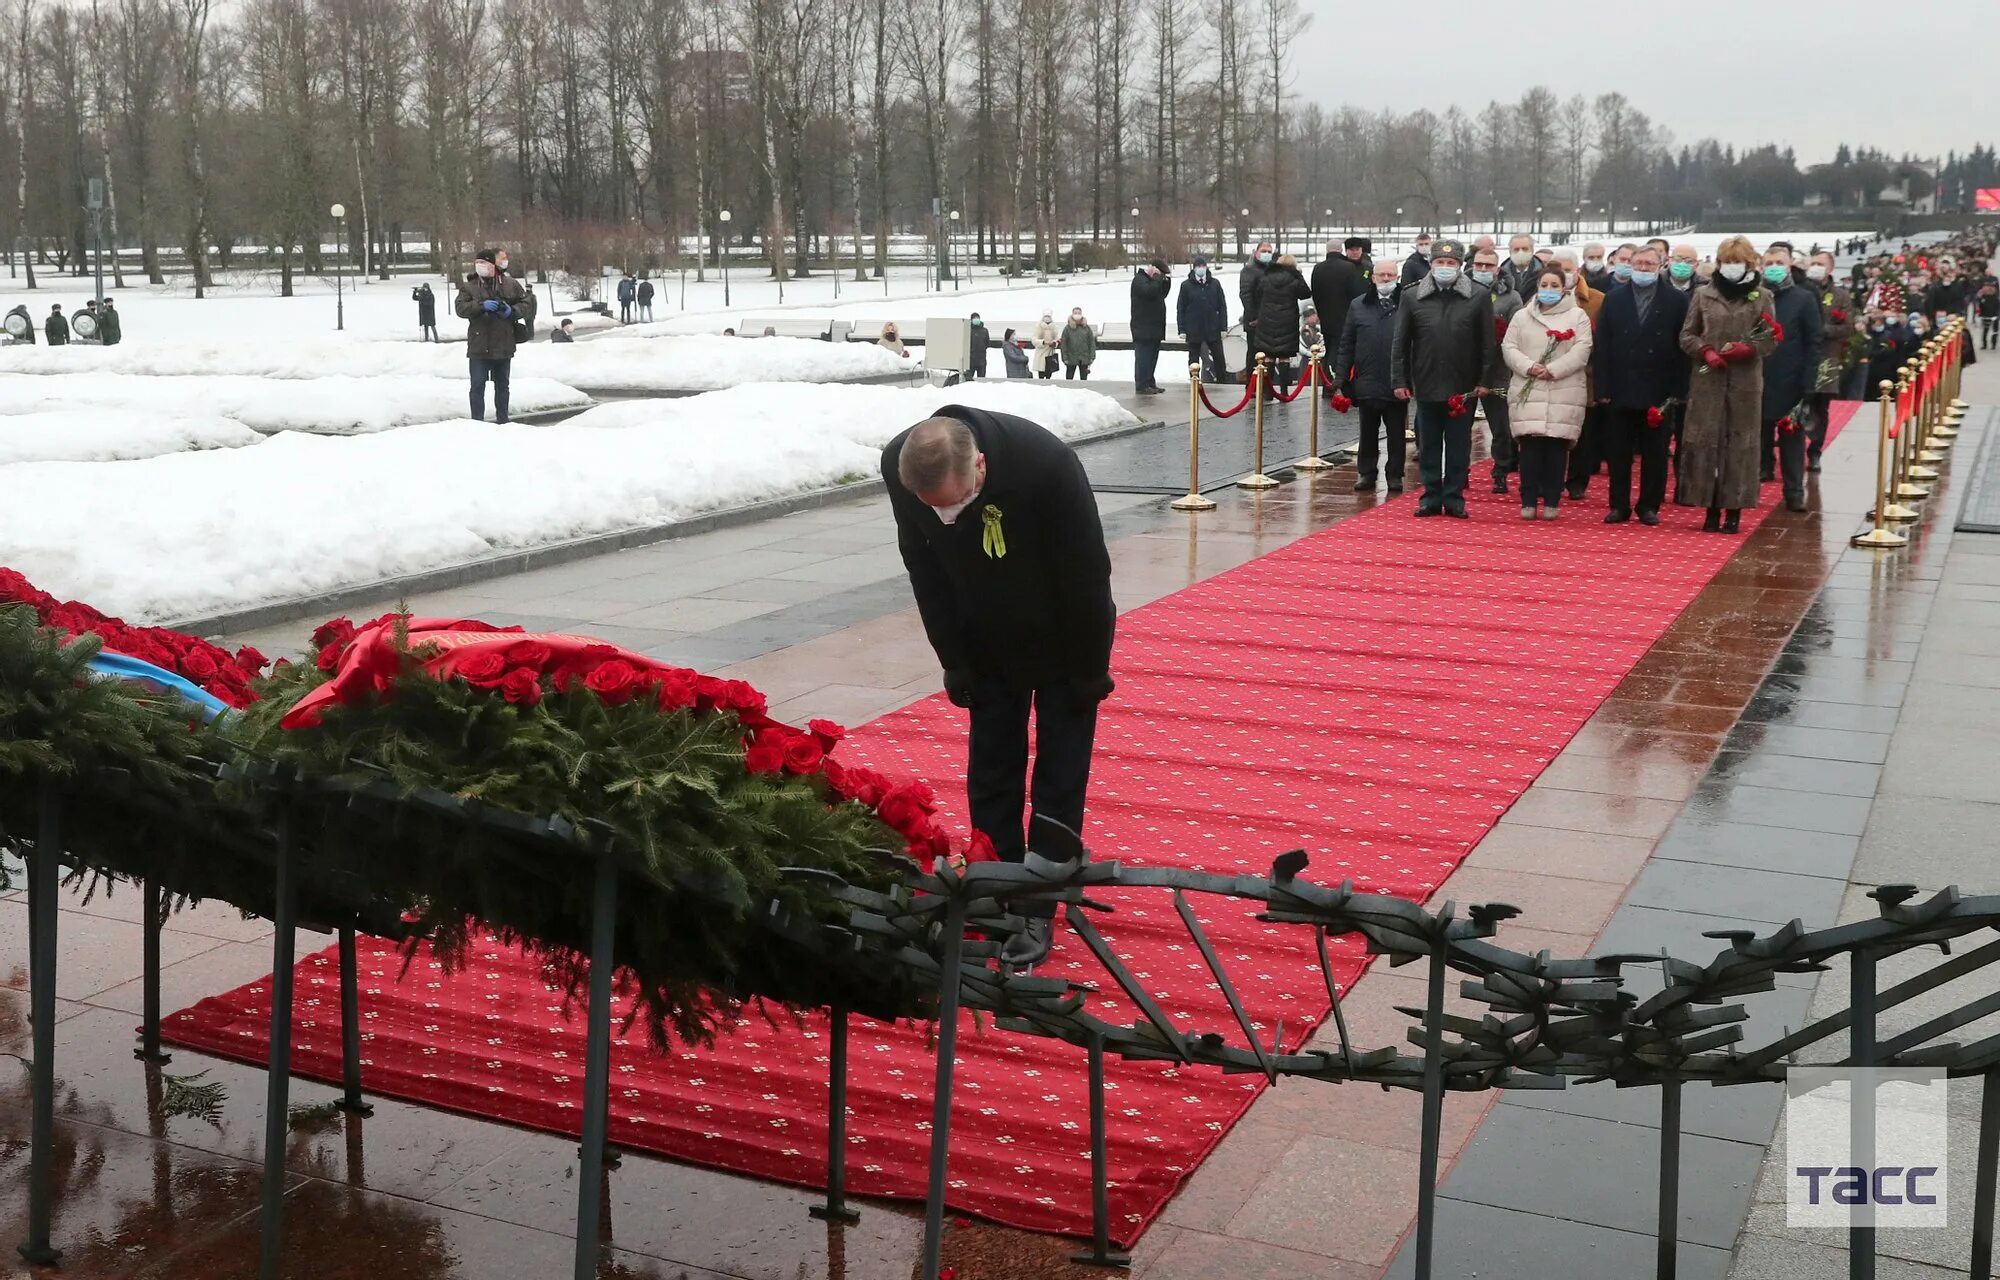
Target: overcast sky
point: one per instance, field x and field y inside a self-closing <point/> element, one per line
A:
<point x="1811" y="73"/>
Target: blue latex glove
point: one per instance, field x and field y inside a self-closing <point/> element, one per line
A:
<point x="491" y="305"/>
<point x="506" y="311"/>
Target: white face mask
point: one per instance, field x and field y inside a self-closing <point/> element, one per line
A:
<point x="1731" y="270"/>
<point x="1815" y="272"/>
<point x="1521" y="257"/>
<point x="1424" y="249"/>
<point x="484" y="270"/>
<point x="1385" y="288"/>
<point x="950" y="514"/>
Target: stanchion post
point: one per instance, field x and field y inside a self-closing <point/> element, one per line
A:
<point x="1880" y="537"/>
<point x="1957" y="405"/>
<point x="836" y="1208"/>
<point x="1907" y="489"/>
<point x="1918" y="468"/>
<point x="1194" y="501"/>
<point x="1259" y="380"/>
<point x="1928" y="452"/>
<point x="351" y="1100"/>
<point x="1312" y="461"/>
<point x="154" y="909"/>
<point x="43" y="879"/>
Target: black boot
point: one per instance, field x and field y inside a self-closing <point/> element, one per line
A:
<point x="1732" y="521"/>
<point x="1712" y="523"/>
<point x="1796" y="502"/>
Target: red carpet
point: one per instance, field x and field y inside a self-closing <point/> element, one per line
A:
<point x="1378" y="693"/>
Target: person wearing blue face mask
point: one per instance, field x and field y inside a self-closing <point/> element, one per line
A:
<point x="1246" y="285"/>
<point x="1621" y="263"/>
<point x="1791" y="372"/>
<point x="1639" y="366"/>
<point x="1486" y="274"/>
<point x="1443" y="349"/>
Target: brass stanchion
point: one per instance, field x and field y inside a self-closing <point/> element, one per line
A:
<point x="1957" y="406"/>
<point x="1907" y="490"/>
<point x="1194" y="501"/>
<point x="1258" y="381"/>
<point x="1312" y="461"/>
<point x="1879" y="536"/>
<point x="1919" y="468"/>
<point x="1949" y="412"/>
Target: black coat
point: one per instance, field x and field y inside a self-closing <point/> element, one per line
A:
<point x="1444" y="339"/>
<point x="1639" y="365"/>
<point x="1415" y="267"/>
<point x="58" y="329"/>
<point x="1202" y="313"/>
<point x="1246" y="284"/>
<point x="1336" y="283"/>
<point x="490" y="335"/>
<point x="1886" y="351"/>
<point x="1149" y="306"/>
<point x="645" y="293"/>
<point x="981" y="340"/>
<point x="1361" y="363"/>
<point x="109" y="330"/>
<point x="1275" y="303"/>
<point x="1792" y="370"/>
<point x="1041" y="613"/>
<point x="1948" y="296"/>
<point x="427" y="306"/>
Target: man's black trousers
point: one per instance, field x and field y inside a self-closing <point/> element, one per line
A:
<point x="996" y="774"/>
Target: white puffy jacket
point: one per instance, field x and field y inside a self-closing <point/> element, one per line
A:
<point x="1553" y="409"/>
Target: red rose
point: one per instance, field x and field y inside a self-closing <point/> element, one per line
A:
<point x="903" y="810"/>
<point x="1654" y="417"/>
<point x="482" y="670"/>
<point x="614" y="680"/>
<point x="199" y="667"/>
<point x="764" y="756"/>
<point x="862" y="784"/>
<point x="980" y="849"/>
<point x="803" y="754"/>
<point x="827" y="732"/>
<point x="522" y="685"/>
<point x="337" y="631"/>
<point x="1786" y="426"/>
<point x="527" y="653"/>
<point x="251" y="660"/>
<point x="675" y="690"/>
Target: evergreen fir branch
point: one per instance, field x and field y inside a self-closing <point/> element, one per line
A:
<point x="194" y="1097"/>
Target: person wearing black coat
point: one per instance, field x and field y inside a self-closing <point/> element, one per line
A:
<point x="1202" y="316"/>
<point x="1150" y="286"/>
<point x="644" y="297"/>
<point x="1791" y="372"/>
<point x="57" y="327"/>
<point x="981" y="340"/>
<point x="1418" y="264"/>
<point x="999" y="530"/>
<point x="1888" y="346"/>
<point x="1336" y="282"/>
<point x="1638" y="364"/>
<point x="1275" y="304"/>
<point x="427" y="312"/>
<point x="1362" y="367"/>
<point x="1444" y="347"/>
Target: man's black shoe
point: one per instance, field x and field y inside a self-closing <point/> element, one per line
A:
<point x="1649" y="518"/>
<point x="1395" y="486"/>
<point x="1426" y="509"/>
<point x="1575" y="492"/>
<point x="1499" y="482"/>
<point x="1364" y="486"/>
<point x="1456" y="511"/>
<point x="1796" y="502"/>
<point x="1029" y="947"/>
<point x="1617" y="515"/>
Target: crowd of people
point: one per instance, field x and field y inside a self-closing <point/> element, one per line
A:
<point x="1715" y="373"/>
<point x="105" y="325"/>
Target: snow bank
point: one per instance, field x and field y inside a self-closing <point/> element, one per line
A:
<point x="302" y="514"/>
<point x="664" y="364"/>
<point x="340" y="405"/>
<point x="106" y="435"/>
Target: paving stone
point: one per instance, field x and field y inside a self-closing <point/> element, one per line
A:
<point x="1743" y="844"/>
<point x="1775" y="807"/>
<point x="1477" y="1242"/>
<point x="1745" y="893"/>
<point x="1930" y="842"/>
<point x="1811" y="744"/>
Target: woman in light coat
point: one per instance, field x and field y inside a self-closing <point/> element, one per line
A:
<point x="1047" y="339"/>
<point x="1727" y="338"/>
<point x="1550" y="390"/>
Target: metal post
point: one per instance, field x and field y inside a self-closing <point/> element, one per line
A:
<point x="1312" y="461"/>
<point x="1861" y="1240"/>
<point x="277" y="1094"/>
<point x="1194" y="501"/>
<point x="1880" y="537"/>
<point x="1099" y="1254"/>
<point x="1260" y="378"/>
<point x="339" y="276"/>
<point x="1433" y="1114"/>
<point x="596" y="1063"/>
<point x="1668" y="1236"/>
<point x="947" y="1059"/>
<point x="351" y="1100"/>
<point x="42" y="923"/>
<point x="1907" y="490"/>
<point x="835" y="1209"/>
<point x="153" y="915"/>
<point x="1987" y="1180"/>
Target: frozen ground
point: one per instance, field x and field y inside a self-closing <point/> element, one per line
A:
<point x="188" y="534"/>
<point x="105" y="435"/>
<point x="332" y="405"/>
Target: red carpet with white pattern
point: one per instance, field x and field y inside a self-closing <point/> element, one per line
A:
<point x="1377" y="693"/>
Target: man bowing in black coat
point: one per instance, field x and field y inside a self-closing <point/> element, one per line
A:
<point x="1000" y="534"/>
<point x="1638" y="366"/>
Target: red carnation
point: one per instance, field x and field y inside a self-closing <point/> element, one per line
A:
<point x="1561" y="335"/>
<point x="1837" y="316"/>
<point x="482" y="670"/>
<point x="1341" y="404"/>
<point x="764" y="756"/>
<point x="1654" y="417"/>
<point x="522" y="685"/>
<point x="1786" y="426"/>
<point x="1455" y="406"/>
<point x="803" y="754"/>
<point x="614" y="680"/>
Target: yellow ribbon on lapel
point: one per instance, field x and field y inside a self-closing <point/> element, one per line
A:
<point x="993" y="538"/>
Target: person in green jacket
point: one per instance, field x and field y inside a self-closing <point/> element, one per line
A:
<point x="108" y="330"/>
<point x="1079" y="346"/>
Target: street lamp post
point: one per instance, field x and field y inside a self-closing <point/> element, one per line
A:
<point x="1242" y="229"/>
<point x="1461" y="221"/>
<point x="339" y="213"/>
<point x="95" y="204"/>
<point x="724" y="215"/>
<point x="951" y="246"/>
<point x="1499" y="220"/>
<point x="1135" y="227"/>
<point x="1538" y="220"/>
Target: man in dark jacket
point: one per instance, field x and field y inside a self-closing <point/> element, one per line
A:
<point x="1638" y="365"/>
<point x="1150" y="286"/>
<point x="1418" y="264"/>
<point x="57" y="327"/>
<point x="1950" y="293"/>
<point x="1201" y="315"/>
<point x="1362" y="363"/>
<point x="628" y="292"/>
<point x="1521" y="266"/>
<point x="981" y="340"/>
<point x="1790" y="372"/>
<point x="1444" y="346"/>
<point x="1336" y="282"/>
<point x="108" y="327"/>
<point x="489" y="302"/>
<point x="644" y="297"/>
<point x="1838" y="325"/>
<point x="1485" y="273"/>
<point x="564" y="332"/>
<point x="1246" y="285"/>
<point x="999" y="531"/>
<point x="427" y="312"/>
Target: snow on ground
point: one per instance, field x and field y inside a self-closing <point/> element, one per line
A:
<point x="336" y="405"/>
<point x="697" y="363"/>
<point x="189" y="534"/>
<point x="100" y="435"/>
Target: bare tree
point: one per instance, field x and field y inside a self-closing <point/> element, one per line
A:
<point x="24" y="30"/>
<point x="929" y="36"/>
<point x="1537" y="120"/>
<point x="1282" y="24"/>
<point x="1573" y="127"/>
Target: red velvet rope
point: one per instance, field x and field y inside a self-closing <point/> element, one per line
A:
<point x="1234" y="409"/>
<point x="1305" y="380"/>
